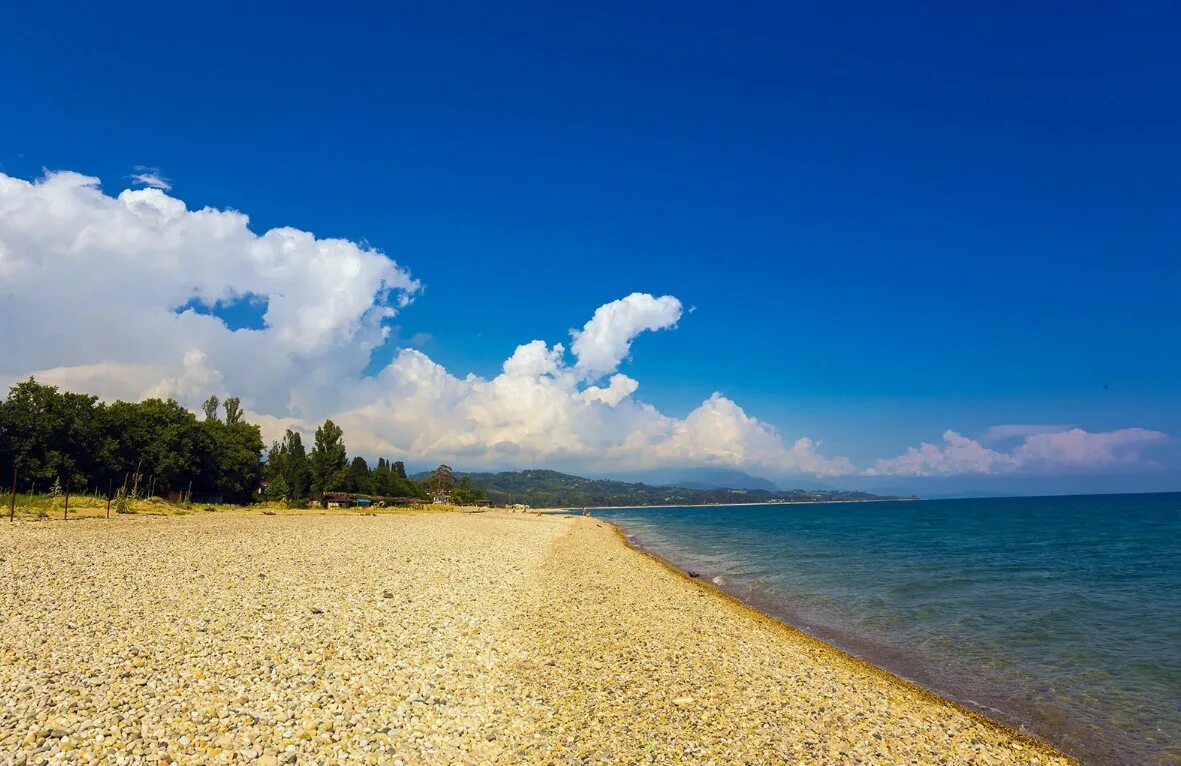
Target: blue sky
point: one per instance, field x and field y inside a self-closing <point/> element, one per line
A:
<point x="889" y="222"/>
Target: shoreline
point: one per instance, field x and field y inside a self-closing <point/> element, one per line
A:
<point x="731" y="505"/>
<point x="433" y="637"/>
<point x="799" y="634"/>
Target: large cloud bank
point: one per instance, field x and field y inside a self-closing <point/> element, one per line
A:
<point x="536" y="411"/>
<point x="93" y="297"/>
<point x="1043" y="449"/>
<point x="92" y="284"/>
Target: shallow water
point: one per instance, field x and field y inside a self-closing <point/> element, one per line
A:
<point x="1060" y="615"/>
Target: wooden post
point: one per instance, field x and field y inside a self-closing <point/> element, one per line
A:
<point x="110" y="483"/>
<point x="12" y="501"/>
<point x="66" y="513"/>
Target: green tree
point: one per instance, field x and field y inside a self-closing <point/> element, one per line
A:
<point x="166" y="442"/>
<point x="276" y="489"/>
<point x="357" y="477"/>
<point x="379" y="478"/>
<point x="235" y="460"/>
<point x="295" y="467"/>
<point x="233" y="410"/>
<point x="156" y="444"/>
<point x="441" y="481"/>
<point x="466" y="492"/>
<point x="328" y="459"/>
<point x="51" y="434"/>
<point x="273" y="468"/>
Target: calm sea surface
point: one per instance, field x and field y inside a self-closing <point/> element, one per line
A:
<point x="1060" y="615"/>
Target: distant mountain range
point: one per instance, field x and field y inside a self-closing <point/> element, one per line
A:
<point x="698" y="478"/>
<point x="552" y="489"/>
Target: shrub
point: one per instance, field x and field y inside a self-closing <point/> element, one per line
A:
<point x="122" y="504"/>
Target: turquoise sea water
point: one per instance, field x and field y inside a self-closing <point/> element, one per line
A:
<point x="1059" y="615"/>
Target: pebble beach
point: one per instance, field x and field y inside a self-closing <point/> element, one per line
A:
<point x="432" y="638"/>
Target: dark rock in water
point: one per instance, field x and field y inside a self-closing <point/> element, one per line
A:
<point x="691" y="573"/>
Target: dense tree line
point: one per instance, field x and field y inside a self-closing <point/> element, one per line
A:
<point x="157" y="447"/>
<point x="151" y="447"/>
<point x="294" y="474"/>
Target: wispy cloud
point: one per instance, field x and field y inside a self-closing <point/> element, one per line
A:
<point x="1017" y="431"/>
<point x="147" y="176"/>
<point x="1042" y="450"/>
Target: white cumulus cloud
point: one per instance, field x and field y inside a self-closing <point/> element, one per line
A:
<point x="606" y="339"/>
<point x="91" y="283"/>
<point x="536" y="412"/>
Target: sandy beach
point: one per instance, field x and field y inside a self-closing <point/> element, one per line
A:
<point x="432" y="638"/>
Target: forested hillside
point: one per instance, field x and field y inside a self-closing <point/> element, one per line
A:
<point x="541" y="488"/>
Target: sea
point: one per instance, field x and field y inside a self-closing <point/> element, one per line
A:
<point x="1058" y="616"/>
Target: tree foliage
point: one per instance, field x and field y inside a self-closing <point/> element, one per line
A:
<point x="233" y="410"/>
<point x="356" y="478"/>
<point x="329" y="460"/>
<point x="288" y="471"/>
<point x="466" y="492"/>
<point x="551" y="489"/>
<point x="158" y="446"/>
<point x="386" y="480"/>
<point x="441" y="481"/>
<point x="155" y="444"/>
